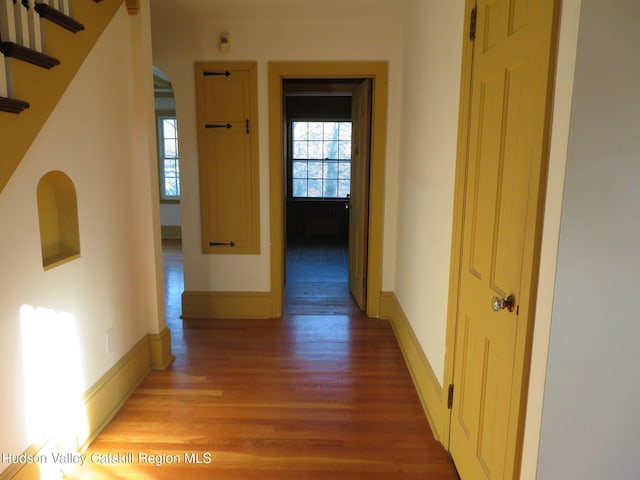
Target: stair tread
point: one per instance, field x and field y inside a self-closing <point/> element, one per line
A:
<point x="59" y="18"/>
<point x="12" y="105"/>
<point x="12" y="49"/>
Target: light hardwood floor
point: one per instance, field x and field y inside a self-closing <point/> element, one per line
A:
<point x="306" y="396"/>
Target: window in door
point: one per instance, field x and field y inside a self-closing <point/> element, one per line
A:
<point x="320" y="159"/>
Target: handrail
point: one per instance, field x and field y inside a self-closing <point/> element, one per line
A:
<point x="56" y="16"/>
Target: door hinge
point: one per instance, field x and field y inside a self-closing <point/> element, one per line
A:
<point x="472" y="23"/>
<point x="226" y="73"/>
<point x="222" y="244"/>
<point x="450" y="397"/>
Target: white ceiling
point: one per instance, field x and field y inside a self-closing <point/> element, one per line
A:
<point x="227" y="9"/>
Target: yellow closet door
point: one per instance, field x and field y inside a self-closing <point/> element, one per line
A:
<point x="508" y="129"/>
<point x="228" y="157"/>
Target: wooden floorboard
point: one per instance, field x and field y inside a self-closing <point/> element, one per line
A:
<point x="306" y="396"/>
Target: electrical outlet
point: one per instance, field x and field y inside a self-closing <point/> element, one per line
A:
<point x="111" y="341"/>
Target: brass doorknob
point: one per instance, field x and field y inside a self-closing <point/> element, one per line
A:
<point x="503" y="303"/>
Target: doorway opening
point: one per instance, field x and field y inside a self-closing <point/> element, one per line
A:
<point x="373" y="81"/>
<point x="170" y="210"/>
<point x="168" y="157"/>
<point x="320" y="156"/>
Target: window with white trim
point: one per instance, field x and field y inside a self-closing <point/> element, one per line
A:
<point x="169" y="157"/>
<point x="320" y="159"/>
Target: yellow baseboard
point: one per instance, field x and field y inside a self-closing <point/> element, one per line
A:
<point x="108" y="394"/>
<point x="101" y="402"/>
<point x="226" y="304"/>
<point x="171" y="232"/>
<point x="30" y="471"/>
<point x="432" y="395"/>
<point x="160" y="349"/>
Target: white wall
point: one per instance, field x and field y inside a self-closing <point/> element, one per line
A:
<point x="170" y="214"/>
<point x="563" y="91"/>
<point x="165" y="103"/>
<point x="100" y="136"/>
<point x="182" y="37"/>
<point x="590" y="424"/>
<point x="427" y="170"/>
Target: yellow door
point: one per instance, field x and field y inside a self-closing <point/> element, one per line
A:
<point x="505" y="158"/>
<point x="359" y="202"/>
<point x="228" y="157"/>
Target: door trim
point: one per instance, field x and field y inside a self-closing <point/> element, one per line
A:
<point x="279" y="71"/>
<point x="464" y="112"/>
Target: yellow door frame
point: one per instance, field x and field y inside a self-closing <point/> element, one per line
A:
<point x="279" y="71"/>
<point x="464" y="112"/>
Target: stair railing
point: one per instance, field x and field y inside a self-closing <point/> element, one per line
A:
<point x="4" y="87"/>
<point x="20" y="23"/>
<point x="21" y="36"/>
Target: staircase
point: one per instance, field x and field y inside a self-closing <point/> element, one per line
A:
<point x="42" y="45"/>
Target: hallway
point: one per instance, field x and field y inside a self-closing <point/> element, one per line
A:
<point x="317" y="273"/>
<point x="313" y="396"/>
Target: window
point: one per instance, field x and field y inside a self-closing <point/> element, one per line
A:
<point x="169" y="164"/>
<point x="320" y="159"/>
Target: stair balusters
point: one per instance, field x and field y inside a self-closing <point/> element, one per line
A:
<point x="4" y="88"/>
<point x="21" y="37"/>
<point x="7" y="34"/>
<point x="25" y="29"/>
<point x="19" y="27"/>
<point x="63" y="6"/>
<point x="34" y="27"/>
<point x="22" y="24"/>
<point x="7" y="21"/>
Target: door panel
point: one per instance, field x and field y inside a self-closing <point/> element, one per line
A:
<point x="359" y="202"/>
<point x="231" y="182"/>
<point x="228" y="157"/>
<point x="508" y="121"/>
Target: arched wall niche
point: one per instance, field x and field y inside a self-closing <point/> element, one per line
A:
<point x="58" y="218"/>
